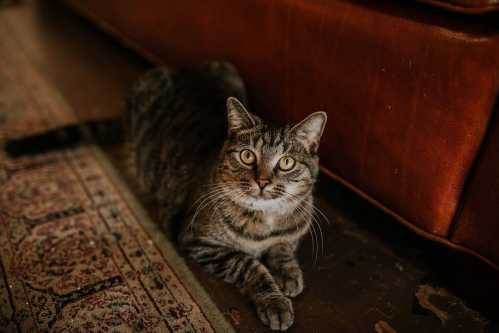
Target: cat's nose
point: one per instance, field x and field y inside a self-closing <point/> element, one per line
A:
<point x="262" y="183"/>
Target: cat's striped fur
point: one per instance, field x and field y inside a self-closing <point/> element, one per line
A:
<point x="241" y="222"/>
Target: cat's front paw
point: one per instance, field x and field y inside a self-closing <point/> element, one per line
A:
<point x="276" y="312"/>
<point x="290" y="281"/>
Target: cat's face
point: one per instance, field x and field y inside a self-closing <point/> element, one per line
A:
<point x="268" y="169"/>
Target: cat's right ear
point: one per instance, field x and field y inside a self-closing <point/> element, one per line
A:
<point x="239" y="119"/>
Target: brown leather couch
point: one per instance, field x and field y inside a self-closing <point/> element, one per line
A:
<point x="410" y="91"/>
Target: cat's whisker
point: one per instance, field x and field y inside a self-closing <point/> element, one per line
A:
<point x="206" y="200"/>
<point x="319" y="228"/>
<point x="316" y="233"/>
<point x="321" y="234"/>
<point x="313" y="219"/>
<point x="311" y="231"/>
<point x="315" y="208"/>
<point x="321" y="214"/>
<point x="213" y="187"/>
<point x="219" y="202"/>
<point x="305" y="214"/>
<point x="313" y="235"/>
<point x="208" y="203"/>
<point x="316" y="254"/>
<point x="210" y="199"/>
<point x="205" y="196"/>
<point x="214" y="197"/>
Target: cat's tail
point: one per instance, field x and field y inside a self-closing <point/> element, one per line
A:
<point x="145" y="91"/>
<point x="104" y="132"/>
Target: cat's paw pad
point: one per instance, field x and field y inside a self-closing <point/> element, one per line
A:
<point x="276" y="312"/>
<point x="290" y="282"/>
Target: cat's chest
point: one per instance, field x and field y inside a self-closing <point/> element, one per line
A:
<point x="267" y="223"/>
<point x="262" y="224"/>
<point x="255" y="236"/>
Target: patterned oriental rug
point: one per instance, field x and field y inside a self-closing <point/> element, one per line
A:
<point x="77" y="251"/>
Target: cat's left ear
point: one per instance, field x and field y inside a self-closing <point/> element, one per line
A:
<point x="310" y="129"/>
<point x="238" y="117"/>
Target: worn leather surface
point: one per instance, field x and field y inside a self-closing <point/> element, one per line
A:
<point x="478" y="224"/>
<point x="409" y="93"/>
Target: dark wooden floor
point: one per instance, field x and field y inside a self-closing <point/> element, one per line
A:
<point x="370" y="274"/>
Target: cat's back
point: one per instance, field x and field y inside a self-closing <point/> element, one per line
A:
<point x="163" y="99"/>
<point x="177" y="125"/>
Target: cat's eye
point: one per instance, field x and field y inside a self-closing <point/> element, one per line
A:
<point x="286" y="163"/>
<point x="247" y="156"/>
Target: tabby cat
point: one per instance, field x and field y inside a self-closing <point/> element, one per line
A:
<point x="242" y="189"/>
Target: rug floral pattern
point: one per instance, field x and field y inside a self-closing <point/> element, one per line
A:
<point x="75" y="258"/>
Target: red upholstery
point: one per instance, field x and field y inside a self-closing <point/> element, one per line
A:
<point x="409" y="92"/>
<point x="478" y="224"/>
